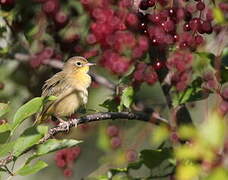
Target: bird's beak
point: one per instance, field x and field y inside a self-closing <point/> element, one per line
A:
<point x="90" y="64"/>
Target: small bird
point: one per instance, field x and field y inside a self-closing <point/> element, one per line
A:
<point x="70" y="88"/>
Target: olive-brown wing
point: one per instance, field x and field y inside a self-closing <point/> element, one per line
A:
<point x="54" y="86"/>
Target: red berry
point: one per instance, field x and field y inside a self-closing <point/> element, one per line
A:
<point x="194" y="23"/>
<point x="143" y="43"/>
<point x="143" y="5"/>
<point x="150" y="3"/>
<point x="200" y="6"/>
<point x="225" y="93"/>
<point x="198" y="39"/>
<point x="61" y="163"/>
<point x="155" y="18"/>
<point x="50" y="7"/>
<point x="61" y="19"/>
<point x="91" y="39"/>
<point x="115" y="142"/>
<point x="138" y="75"/>
<point x="223" y="6"/>
<point x="168" y="26"/>
<point x="68" y="172"/>
<point x="158" y="65"/>
<point x="171" y="12"/>
<point x="7" y="2"/>
<point x="175" y="37"/>
<point x="132" y="19"/>
<point x="142" y="26"/>
<point x="186" y="27"/>
<point x="131" y="155"/>
<point x="224" y="107"/>
<point x="205" y="27"/>
<point x="112" y="131"/>
<point x="1" y="86"/>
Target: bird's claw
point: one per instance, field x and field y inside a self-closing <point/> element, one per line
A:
<point x="65" y="126"/>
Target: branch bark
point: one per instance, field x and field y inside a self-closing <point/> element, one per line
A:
<point x="103" y="116"/>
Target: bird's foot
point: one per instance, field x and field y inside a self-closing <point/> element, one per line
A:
<point x="64" y="124"/>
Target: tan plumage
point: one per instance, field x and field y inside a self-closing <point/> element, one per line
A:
<point x="69" y="86"/>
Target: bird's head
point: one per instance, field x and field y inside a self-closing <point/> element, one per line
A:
<point x="77" y="64"/>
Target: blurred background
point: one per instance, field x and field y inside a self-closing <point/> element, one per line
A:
<point x="37" y="36"/>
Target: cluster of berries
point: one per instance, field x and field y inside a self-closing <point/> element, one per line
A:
<point x="181" y="25"/>
<point x="145" y="73"/>
<point x="179" y="64"/>
<point x="45" y="55"/>
<point x="65" y="159"/>
<point x="113" y="133"/>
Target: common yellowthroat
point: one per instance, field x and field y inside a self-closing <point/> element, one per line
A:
<point x="69" y="86"/>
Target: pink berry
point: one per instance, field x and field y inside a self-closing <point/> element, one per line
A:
<point x="131" y="155"/>
<point x="115" y="142"/>
<point x="7" y="2"/>
<point x="198" y="39"/>
<point x="51" y="6"/>
<point x="225" y="93"/>
<point x="112" y="131"/>
<point x="1" y="86"/>
<point x="186" y="27"/>
<point x="143" y="5"/>
<point x="61" y="19"/>
<point x="150" y="3"/>
<point x="200" y="6"/>
<point x="68" y="172"/>
<point x="224" y="107"/>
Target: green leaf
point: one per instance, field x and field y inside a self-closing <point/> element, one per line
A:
<point x="113" y="172"/>
<point x="29" y="137"/>
<point x="54" y="145"/>
<point x="5" y="130"/>
<point x="110" y="104"/>
<point x="202" y="62"/>
<point x="32" y="169"/>
<point x="126" y="98"/>
<point x="28" y="109"/>
<point x="135" y="165"/>
<point x="126" y="79"/>
<point x="4" y="170"/>
<point x="153" y="158"/>
<point x="5" y="149"/>
<point x="193" y="93"/>
<point x="4" y="108"/>
<point x="218" y="174"/>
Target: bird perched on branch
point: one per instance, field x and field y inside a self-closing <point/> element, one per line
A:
<point x="70" y="88"/>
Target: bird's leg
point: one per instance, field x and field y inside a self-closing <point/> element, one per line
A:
<point x="63" y="123"/>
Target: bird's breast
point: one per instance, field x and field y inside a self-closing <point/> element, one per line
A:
<point x="69" y="102"/>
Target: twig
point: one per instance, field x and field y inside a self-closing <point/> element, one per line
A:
<point x="59" y="65"/>
<point x="101" y="116"/>
<point x="7" y="169"/>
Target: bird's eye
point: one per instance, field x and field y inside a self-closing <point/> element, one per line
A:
<point x="79" y="64"/>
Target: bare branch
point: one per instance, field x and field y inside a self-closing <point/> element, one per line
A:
<point x="103" y="116"/>
<point x="59" y="65"/>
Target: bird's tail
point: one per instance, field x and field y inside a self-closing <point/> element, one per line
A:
<point x="40" y="117"/>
